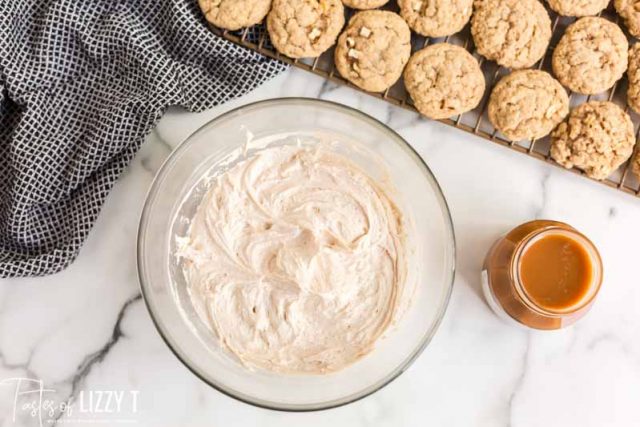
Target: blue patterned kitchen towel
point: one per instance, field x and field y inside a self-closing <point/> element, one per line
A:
<point x="81" y="84"/>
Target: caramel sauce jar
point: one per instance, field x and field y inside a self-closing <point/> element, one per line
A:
<point x="542" y="275"/>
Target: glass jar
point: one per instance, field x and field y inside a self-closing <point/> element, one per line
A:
<point x="512" y="295"/>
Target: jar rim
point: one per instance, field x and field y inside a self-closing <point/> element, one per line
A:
<point x="594" y="257"/>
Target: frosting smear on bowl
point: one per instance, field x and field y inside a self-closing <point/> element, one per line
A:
<point x="296" y="260"/>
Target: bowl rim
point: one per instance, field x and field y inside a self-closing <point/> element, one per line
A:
<point x="399" y="369"/>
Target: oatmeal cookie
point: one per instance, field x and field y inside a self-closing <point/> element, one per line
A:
<point x="444" y="80"/>
<point x="364" y="4"/>
<point x="591" y="56"/>
<point x="597" y="138"/>
<point x="234" y="14"/>
<point x="629" y="10"/>
<point x="578" y="7"/>
<point x="304" y="28"/>
<point x="635" y="164"/>
<point x="373" y="49"/>
<point x="514" y="33"/>
<point x="633" y="74"/>
<point x="436" y="18"/>
<point x="527" y="104"/>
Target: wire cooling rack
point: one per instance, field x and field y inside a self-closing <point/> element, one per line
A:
<point x="475" y="121"/>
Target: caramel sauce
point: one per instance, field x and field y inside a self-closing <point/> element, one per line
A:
<point x="542" y="274"/>
<point x="556" y="272"/>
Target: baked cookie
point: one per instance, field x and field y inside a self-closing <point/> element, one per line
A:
<point x="304" y="28"/>
<point x="514" y="33"/>
<point x="633" y="74"/>
<point x="436" y="18"/>
<point x="444" y="80"/>
<point x="364" y="4"/>
<point x="635" y="164"/>
<point x="234" y="14"/>
<point x="578" y="7"/>
<point x="527" y="104"/>
<point x="591" y="56"/>
<point x="373" y="50"/>
<point x="597" y="138"/>
<point x="629" y="11"/>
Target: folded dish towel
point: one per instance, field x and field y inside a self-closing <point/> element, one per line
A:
<point x="81" y="84"/>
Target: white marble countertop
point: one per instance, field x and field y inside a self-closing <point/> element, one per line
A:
<point x="87" y="330"/>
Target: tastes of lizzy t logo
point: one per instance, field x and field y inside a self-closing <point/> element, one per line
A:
<point x="32" y="401"/>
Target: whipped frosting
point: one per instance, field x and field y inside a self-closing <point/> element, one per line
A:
<point x="296" y="260"/>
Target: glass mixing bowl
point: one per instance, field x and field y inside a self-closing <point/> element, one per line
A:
<point x="176" y="192"/>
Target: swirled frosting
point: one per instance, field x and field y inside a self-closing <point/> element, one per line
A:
<point x="296" y="260"/>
